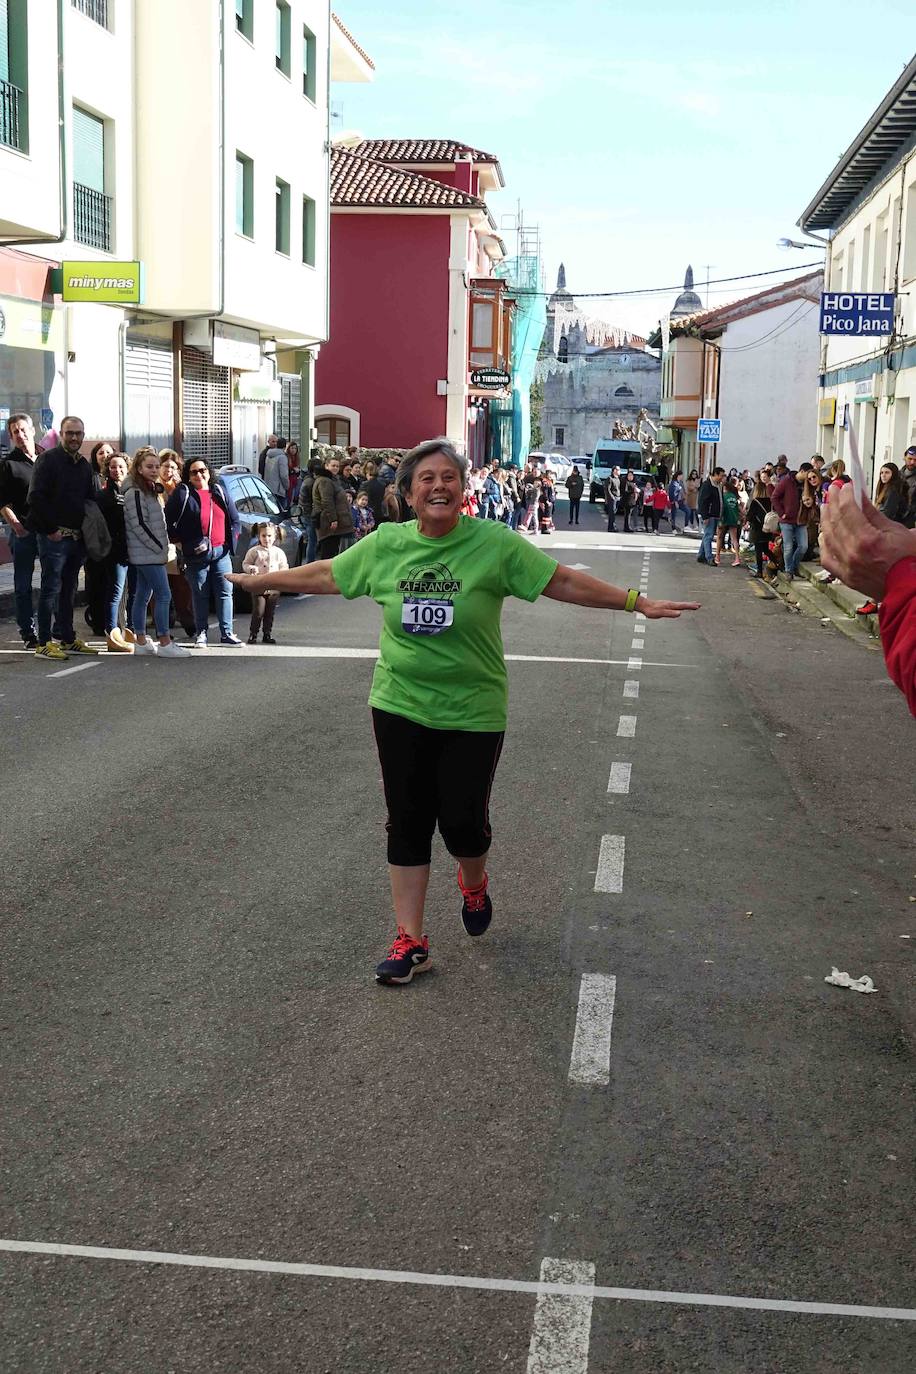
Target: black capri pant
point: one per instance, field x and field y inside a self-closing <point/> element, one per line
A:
<point x="435" y="777"/>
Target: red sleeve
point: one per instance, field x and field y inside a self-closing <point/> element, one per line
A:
<point x="897" y="618"/>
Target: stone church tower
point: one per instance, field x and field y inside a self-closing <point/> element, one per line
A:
<point x="593" y="375"/>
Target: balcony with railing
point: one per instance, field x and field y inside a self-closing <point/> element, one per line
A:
<point x="96" y="10"/>
<point x="91" y="217"/>
<point x="10" y="132"/>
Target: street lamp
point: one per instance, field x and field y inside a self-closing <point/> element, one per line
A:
<point x="794" y="243"/>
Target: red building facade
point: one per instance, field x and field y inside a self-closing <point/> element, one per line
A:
<point x="414" y="304"/>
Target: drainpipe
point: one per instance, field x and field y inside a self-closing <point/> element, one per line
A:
<point x="62" y="145"/>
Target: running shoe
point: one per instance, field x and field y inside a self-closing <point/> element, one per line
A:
<point x="868" y="608"/>
<point x="232" y="639"/>
<point x="149" y="647"/>
<point x="200" y="641"/>
<point x="77" y="646"/>
<point x="406" y="956"/>
<point x="50" y="650"/>
<point x="171" y="650"/>
<point x="476" y="909"/>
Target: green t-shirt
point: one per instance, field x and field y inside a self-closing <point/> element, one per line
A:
<point x="441" y="652"/>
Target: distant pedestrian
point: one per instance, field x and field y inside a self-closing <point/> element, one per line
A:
<point x="909" y="479"/>
<point x="264" y="557"/>
<point x="16" y="471"/>
<point x="94" y="578"/>
<point x="793" y="521"/>
<point x="648" y="504"/>
<point x="115" y="566"/>
<point x="676" y="500"/>
<point x="691" y="490"/>
<point x="61" y="486"/>
<point x="262" y="456"/>
<point x="148" y="552"/>
<point x="330" y="509"/>
<point x="758" y="512"/>
<point x="629" y="499"/>
<point x="574" y="487"/>
<point x="363" y="519"/>
<point x="729" y="521"/>
<point x="612" y="498"/>
<point x="294" y="470"/>
<point x="276" y="474"/>
<point x="709" y="506"/>
<point x="204" y="522"/>
<point x="170" y="465"/>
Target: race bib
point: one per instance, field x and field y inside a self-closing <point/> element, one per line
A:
<point x="420" y="616"/>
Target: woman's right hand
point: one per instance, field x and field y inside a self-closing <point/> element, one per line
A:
<point x="255" y="582"/>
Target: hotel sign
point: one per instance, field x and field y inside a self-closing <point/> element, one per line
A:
<point x="103" y="283"/>
<point x="857" y="312"/>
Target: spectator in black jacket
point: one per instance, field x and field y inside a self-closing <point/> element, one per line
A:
<point x="374" y="487"/>
<point x="909" y="481"/>
<point x="114" y="565"/>
<point x="15" y="477"/>
<point x="61" y="485"/>
<point x="304" y="504"/>
<point x="709" y="506"/>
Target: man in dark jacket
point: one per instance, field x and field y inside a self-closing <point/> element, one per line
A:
<point x="908" y="473"/>
<point x="709" y="507"/>
<point x="60" y="488"/>
<point x="612" y="498"/>
<point x="304" y="502"/>
<point x="574" y="487"/>
<point x="16" y="472"/>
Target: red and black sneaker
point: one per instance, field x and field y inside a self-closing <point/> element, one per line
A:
<point x="476" y="909"/>
<point x="406" y="956"/>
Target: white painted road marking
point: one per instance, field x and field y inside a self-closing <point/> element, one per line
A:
<point x="80" y="668"/>
<point x="637" y="663"/>
<point x="626" y="727"/>
<point x="609" y="875"/>
<point x="590" y="1064"/>
<point x="631" y="689"/>
<point x="619" y="780"/>
<point x="578" y="567"/>
<point x="638" y="644"/>
<point x="562" y="1325"/>
<point x="571" y="1290"/>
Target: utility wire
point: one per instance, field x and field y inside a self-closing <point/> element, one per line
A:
<point x="782" y="328"/>
<point x="664" y="290"/>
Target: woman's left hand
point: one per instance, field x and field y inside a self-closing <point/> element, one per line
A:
<point x="664" y="610"/>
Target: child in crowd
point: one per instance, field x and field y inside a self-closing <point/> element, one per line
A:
<point x="363" y="519"/>
<point x="264" y="557"/>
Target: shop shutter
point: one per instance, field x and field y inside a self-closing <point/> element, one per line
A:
<point x="206" y="403"/>
<point x="287" y="409"/>
<point x="148" y="393"/>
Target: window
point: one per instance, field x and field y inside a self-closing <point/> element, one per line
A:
<point x="91" y="206"/>
<point x="836" y="272"/>
<point x="309" y="64"/>
<point x="332" y="430"/>
<point x="559" y="435"/>
<point x="487" y="338"/>
<point x="909" y="234"/>
<point x="624" y="390"/>
<point x="851" y="266"/>
<point x="282" y="48"/>
<point x="244" y="18"/>
<point x="879" y="268"/>
<point x="563" y="350"/>
<point x="244" y="195"/>
<point x="96" y="10"/>
<point x="866" y="254"/>
<point x="14" y="75"/>
<point x="281" y="217"/>
<point x="308" y="231"/>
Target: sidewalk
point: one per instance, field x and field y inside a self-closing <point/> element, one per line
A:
<point x="832" y="603"/>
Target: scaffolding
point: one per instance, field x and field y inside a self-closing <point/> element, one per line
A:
<point x="510" y="420"/>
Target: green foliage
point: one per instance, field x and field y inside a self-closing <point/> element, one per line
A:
<point x="537" y="414"/>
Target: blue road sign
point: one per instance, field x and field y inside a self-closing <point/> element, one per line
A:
<point x="857" y="312"/>
<point x="709" y="431"/>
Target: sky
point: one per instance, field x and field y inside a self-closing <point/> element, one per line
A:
<point x="642" y="136"/>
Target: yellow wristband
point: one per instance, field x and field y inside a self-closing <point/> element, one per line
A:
<point x="632" y="598"/>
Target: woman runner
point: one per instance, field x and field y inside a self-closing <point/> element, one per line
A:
<point x="439" y="693"/>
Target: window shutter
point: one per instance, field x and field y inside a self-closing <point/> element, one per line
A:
<point x="88" y="150"/>
<point x="206" y="405"/>
<point x="4" y="40"/>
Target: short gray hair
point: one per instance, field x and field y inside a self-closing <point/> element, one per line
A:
<point x="412" y="460"/>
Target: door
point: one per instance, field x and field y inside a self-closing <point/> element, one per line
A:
<point x="148" y="393"/>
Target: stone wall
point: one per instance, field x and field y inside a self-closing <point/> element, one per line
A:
<point x="582" y="397"/>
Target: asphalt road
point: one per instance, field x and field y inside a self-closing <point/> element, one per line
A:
<point x="196" y="1061"/>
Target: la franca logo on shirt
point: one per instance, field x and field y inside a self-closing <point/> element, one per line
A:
<point x="433" y="581"/>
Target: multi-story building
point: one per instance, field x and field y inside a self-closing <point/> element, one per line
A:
<point x="751" y="364"/>
<point x="413" y="252"/>
<point x="868" y="204"/>
<point x="192" y="140"/>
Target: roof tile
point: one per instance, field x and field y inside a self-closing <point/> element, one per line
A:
<point x="432" y="150"/>
<point x="362" y="181"/>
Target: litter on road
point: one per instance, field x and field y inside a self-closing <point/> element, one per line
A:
<point x="843" y="980"/>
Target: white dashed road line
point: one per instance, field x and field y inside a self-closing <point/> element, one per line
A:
<point x="590" y="1064"/>
<point x="626" y="727"/>
<point x="562" y="1324"/>
<point x="638" y="644"/>
<point x="636" y="663"/>
<point x="619" y="780"/>
<point x="65" y="672"/>
<point x="631" y="689"/>
<point x="609" y="874"/>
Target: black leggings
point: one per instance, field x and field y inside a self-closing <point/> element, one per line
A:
<point x="573" y="515"/>
<point x="435" y="776"/>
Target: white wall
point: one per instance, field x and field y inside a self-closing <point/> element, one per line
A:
<point x="29" y="181"/>
<point x="768" y="394"/>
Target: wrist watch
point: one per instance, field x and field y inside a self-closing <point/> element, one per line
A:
<point x="632" y="598"/>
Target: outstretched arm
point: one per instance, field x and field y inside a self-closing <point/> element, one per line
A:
<point x="311" y="577"/>
<point x="581" y="590"/>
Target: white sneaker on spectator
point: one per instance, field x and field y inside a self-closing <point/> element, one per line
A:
<point x="171" y="650"/>
<point x="150" y="647"/>
<point x="200" y="641"/>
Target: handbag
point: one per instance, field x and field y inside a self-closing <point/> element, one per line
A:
<point x="95" y="532"/>
<point x="770" y="522"/>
